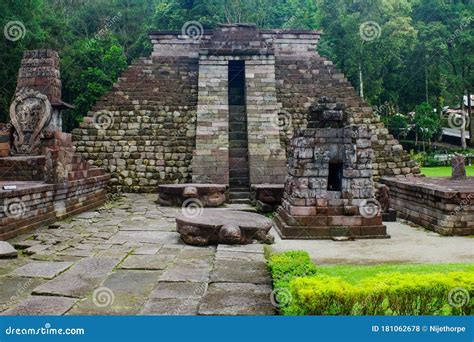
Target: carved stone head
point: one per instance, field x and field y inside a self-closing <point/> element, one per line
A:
<point x="30" y="113"/>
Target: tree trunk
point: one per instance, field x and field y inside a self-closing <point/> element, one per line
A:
<point x="361" y="82"/>
<point x="471" y="118"/>
<point x="463" y="122"/>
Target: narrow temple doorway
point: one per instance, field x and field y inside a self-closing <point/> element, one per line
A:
<point x="335" y="177"/>
<point x="239" y="180"/>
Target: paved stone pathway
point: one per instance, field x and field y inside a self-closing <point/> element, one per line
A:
<point x="128" y="259"/>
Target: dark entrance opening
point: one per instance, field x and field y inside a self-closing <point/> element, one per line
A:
<point x="335" y="177"/>
<point x="239" y="180"/>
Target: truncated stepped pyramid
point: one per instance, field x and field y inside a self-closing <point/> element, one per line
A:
<point x="170" y="117"/>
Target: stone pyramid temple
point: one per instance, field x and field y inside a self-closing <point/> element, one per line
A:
<point x="221" y="108"/>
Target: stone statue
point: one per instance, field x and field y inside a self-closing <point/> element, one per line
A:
<point x="30" y="113"/>
<point x="458" y="167"/>
<point x="383" y="196"/>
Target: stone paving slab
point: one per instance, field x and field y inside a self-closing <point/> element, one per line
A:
<point x="147" y="250"/>
<point x="147" y="262"/>
<point x="14" y="289"/>
<point x="171" y="307"/>
<point x="42" y="306"/>
<point x="7" y="250"/>
<point x="250" y="248"/>
<point x="180" y="290"/>
<point x="145" y="237"/>
<point x="237" y="299"/>
<point x="80" y="279"/>
<point x="124" y="292"/>
<point x="240" y="271"/>
<point x="47" y="270"/>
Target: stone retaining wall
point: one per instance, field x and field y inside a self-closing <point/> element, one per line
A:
<point x="440" y="204"/>
<point x="34" y="204"/>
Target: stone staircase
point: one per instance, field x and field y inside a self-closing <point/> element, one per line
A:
<point x="239" y="179"/>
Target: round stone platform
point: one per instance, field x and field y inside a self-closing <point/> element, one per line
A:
<point x="214" y="226"/>
<point x="210" y="195"/>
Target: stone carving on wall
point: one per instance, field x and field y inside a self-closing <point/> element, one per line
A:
<point x="30" y="112"/>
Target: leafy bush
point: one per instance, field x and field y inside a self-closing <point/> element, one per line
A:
<point x="397" y="124"/>
<point x="288" y="265"/>
<point x="383" y="294"/>
<point x="387" y="293"/>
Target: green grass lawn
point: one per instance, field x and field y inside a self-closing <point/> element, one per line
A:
<point x="444" y="171"/>
<point x="353" y="274"/>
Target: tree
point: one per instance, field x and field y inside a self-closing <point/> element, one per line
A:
<point x="426" y="123"/>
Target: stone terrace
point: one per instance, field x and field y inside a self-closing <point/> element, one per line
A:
<point x="133" y="251"/>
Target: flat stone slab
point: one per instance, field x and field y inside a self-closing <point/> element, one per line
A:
<point x="171" y="307"/>
<point x="180" y="290"/>
<point x="240" y="271"/>
<point x="80" y="279"/>
<point x="237" y="299"/>
<point x="7" y="250"/>
<point x="46" y="269"/>
<point x="124" y="292"/>
<point x="13" y="290"/>
<point x="214" y="226"/>
<point x="42" y="306"/>
<point x="208" y="195"/>
<point x="147" y="262"/>
<point x="147" y="250"/>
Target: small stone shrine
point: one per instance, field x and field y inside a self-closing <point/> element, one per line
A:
<point x="329" y="187"/>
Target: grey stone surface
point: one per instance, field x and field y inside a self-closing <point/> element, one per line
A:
<point x="47" y="269"/>
<point x="13" y="290"/>
<point x="240" y="271"/>
<point x="407" y="245"/>
<point x="180" y="290"/>
<point x="147" y="250"/>
<point x="171" y="307"/>
<point x="7" y="250"/>
<point x="148" y="272"/>
<point x="80" y="279"/>
<point x="42" y="306"/>
<point x="147" y="262"/>
<point x="237" y="299"/>
<point x="129" y="291"/>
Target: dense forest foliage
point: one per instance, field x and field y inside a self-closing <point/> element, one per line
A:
<point x="397" y="53"/>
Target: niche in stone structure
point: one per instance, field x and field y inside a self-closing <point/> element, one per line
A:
<point x="335" y="176"/>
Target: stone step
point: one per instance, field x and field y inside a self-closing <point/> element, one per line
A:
<point x="240" y="172"/>
<point x="237" y="126"/>
<point x="240" y="201"/>
<point x="238" y="163"/>
<point x="239" y="195"/>
<point x="238" y="144"/>
<point x="240" y="135"/>
<point x="238" y="153"/>
<point x="239" y="181"/>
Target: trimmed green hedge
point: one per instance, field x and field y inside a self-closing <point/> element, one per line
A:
<point x="286" y="266"/>
<point x="382" y="294"/>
